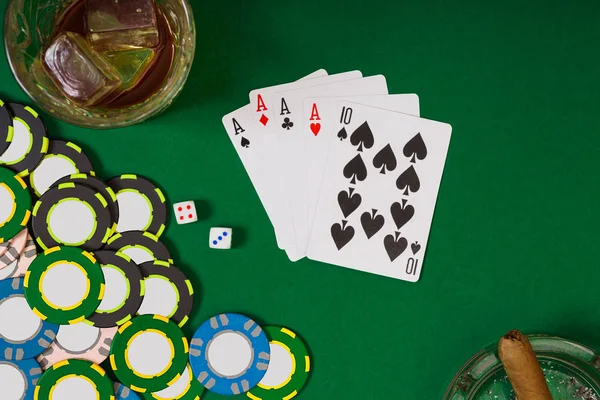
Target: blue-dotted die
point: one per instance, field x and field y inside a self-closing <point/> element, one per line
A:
<point x="220" y="238"/>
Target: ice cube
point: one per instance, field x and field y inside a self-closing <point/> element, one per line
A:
<point x="131" y="65"/>
<point x="122" y="24"/>
<point x="78" y="71"/>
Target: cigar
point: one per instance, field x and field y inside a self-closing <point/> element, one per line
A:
<point x="522" y="367"/>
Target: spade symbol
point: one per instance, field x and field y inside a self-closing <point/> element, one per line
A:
<point x="401" y="213"/>
<point x="349" y="201"/>
<point x="385" y="159"/>
<point x="245" y="143"/>
<point x="341" y="234"/>
<point x="408" y="181"/>
<point x="415" y="147"/>
<point x="371" y="223"/>
<point x="415" y="247"/>
<point x="362" y="136"/>
<point x="394" y="245"/>
<point x="356" y="169"/>
<point x="342" y="134"/>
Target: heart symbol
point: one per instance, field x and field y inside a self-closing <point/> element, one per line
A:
<point x="315" y="128"/>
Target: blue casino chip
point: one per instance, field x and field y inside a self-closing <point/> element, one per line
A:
<point x="122" y="392"/>
<point x="18" y="378"/>
<point x="229" y="354"/>
<point x="23" y="334"/>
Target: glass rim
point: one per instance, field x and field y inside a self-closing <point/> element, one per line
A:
<point x="482" y="365"/>
<point x="97" y="118"/>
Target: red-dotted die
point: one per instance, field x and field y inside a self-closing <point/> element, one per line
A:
<point x="185" y="212"/>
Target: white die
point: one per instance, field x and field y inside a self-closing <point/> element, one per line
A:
<point x="220" y="238"/>
<point x="185" y="212"/>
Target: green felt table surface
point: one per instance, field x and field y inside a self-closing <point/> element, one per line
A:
<point x="514" y="241"/>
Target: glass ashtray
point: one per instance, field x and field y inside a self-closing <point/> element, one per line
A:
<point x="572" y="372"/>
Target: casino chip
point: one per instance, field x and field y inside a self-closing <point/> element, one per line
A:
<point x="168" y="292"/>
<point x="140" y="246"/>
<point x="15" y="204"/>
<point x="103" y="188"/>
<point x="124" y="290"/>
<point x="62" y="159"/>
<point x="71" y="214"/>
<point x="149" y="353"/>
<point x="74" y="379"/>
<point x="18" y="378"/>
<point x="6" y="127"/>
<point x="186" y="387"/>
<point x="29" y="143"/>
<point x="22" y="333"/>
<point x="19" y="267"/>
<point x="142" y="205"/>
<point x="14" y="249"/>
<point x="122" y="392"/>
<point x="64" y="285"/>
<point x="229" y="354"/>
<point x="289" y="366"/>
<point x="81" y="341"/>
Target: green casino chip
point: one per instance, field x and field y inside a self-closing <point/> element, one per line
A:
<point x="288" y="369"/>
<point x="62" y="159"/>
<point x="6" y="127"/>
<point x="187" y="387"/>
<point x="74" y="379"/>
<point x="72" y="214"/>
<point x="15" y="204"/>
<point x="29" y="142"/>
<point x="64" y="285"/>
<point x="142" y="205"/>
<point x="100" y="186"/>
<point x="149" y="353"/>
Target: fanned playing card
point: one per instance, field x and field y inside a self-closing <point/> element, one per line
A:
<point x="275" y="196"/>
<point x="250" y="147"/>
<point x="319" y="117"/>
<point x="379" y="191"/>
<point x="290" y="143"/>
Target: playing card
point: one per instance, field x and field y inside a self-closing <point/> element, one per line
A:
<point x="276" y="194"/>
<point x="291" y="142"/>
<point x="260" y="98"/>
<point x="240" y="129"/>
<point x="318" y="118"/>
<point x="249" y="146"/>
<point x="379" y="191"/>
<point x="317" y="74"/>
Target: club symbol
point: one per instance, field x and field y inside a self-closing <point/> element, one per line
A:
<point x="287" y="124"/>
<point x="245" y="143"/>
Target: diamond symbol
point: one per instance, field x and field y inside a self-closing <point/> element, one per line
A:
<point x="264" y="119"/>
